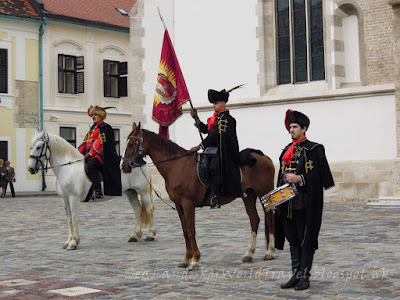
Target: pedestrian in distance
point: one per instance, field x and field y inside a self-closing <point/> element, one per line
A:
<point x="10" y="177"/>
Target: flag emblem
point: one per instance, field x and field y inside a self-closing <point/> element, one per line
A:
<point x="166" y="85"/>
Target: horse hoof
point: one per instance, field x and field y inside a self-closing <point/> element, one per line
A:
<point x="247" y="259"/>
<point x="132" y="240"/>
<point x="268" y="257"/>
<point x="183" y="265"/>
<point x="71" y="247"/>
<point x="149" y="239"/>
<point x="65" y="246"/>
<point x="194" y="266"/>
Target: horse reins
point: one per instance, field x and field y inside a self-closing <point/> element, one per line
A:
<point x="47" y="147"/>
<point x="133" y="163"/>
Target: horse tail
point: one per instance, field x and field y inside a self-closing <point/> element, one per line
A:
<point x="144" y="217"/>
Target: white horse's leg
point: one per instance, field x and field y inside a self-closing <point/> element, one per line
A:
<point x="252" y="248"/>
<point x="148" y="204"/>
<point x="69" y="220"/>
<point x="270" y="246"/>
<point x="74" y="203"/>
<point x="134" y="201"/>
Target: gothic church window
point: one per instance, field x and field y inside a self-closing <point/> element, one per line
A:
<point x="300" y="41"/>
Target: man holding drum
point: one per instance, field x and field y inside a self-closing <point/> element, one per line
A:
<point x="304" y="164"/>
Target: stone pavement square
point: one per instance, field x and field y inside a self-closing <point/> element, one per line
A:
<point x="358" y="258"/>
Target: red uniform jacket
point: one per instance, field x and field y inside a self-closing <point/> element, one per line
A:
<point x="93" y="144"/>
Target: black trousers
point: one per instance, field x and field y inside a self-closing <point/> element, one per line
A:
<point x="215" y="172"/>
<point x="11" y="187"/>
<point x="295" y="233"/>
<point x="93" y="169"/>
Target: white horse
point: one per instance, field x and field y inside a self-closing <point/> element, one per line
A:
<point x="73" y="185"/>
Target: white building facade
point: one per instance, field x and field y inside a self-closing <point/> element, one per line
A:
<point x="331" y="60"/>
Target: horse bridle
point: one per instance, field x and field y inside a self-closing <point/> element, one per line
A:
<point x="139" y="153"/>
<point x="43" y="153"/>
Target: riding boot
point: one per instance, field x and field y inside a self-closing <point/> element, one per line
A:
<point x="98" y="195"/>
<point x="295" y="254"/>
<point x="304" y="282"/>
<point x="306" y="263"/>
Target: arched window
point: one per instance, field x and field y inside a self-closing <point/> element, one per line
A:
<point x="300" y="41"/>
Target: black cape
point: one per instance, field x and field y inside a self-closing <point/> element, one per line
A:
<point x="111" y="170"/>
<point x="317" y="178"/>
<point x="223" y="135"/>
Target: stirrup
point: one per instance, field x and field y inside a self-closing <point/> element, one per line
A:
<point x="215" y="202"/>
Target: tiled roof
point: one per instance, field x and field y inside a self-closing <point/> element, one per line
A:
<point x="18" y="8"/>
<point x="97" y="11"/>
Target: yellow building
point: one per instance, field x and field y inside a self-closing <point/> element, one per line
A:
<point x="19" y="87"/>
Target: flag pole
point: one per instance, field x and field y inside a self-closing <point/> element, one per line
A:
<point x="190" y="100"/>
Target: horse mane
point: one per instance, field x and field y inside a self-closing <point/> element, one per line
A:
<point x="60" y="145"/>
<point x="166" y="144"/>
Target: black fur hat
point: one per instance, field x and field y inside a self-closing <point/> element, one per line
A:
<point x="215" y="96"/>
<point x="293" y="116"/>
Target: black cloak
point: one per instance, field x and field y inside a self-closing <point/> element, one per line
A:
<point x="223" y="135"/>
<point x="111" y="171"/>
<point x="315" y="170"/>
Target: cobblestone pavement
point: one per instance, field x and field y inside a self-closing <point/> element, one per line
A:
<point x="359" y="255"/>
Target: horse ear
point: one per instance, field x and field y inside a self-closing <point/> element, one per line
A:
<point x="139" y="126"/>
<point x="37" y="131"/>
<point x="134" y="126"/>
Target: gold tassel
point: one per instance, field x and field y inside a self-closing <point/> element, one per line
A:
<point x="290" y="210"/>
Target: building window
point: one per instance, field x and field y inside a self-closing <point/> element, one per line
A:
<point x="69" y="134"/>
<point x="4" y="71"/>
<point x="70" y="74"/>
<point x="117" y="140"/>
<point x="300" y="41"/>
<point x="115" y="84"/>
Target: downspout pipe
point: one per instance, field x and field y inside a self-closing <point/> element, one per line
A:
<point x="41" y="32"/>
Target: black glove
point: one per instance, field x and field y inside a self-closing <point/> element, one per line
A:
<point x="87" y="156"/>
<point x="194" y="115"/>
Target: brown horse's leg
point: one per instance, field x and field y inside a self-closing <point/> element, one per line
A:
<point x="189" y="254"/>
<point x="269" y="234"/>
<point x="189" y="211"/>
<point x="250" y="204"/>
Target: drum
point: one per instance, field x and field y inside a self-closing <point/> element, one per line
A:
<point x="278" y="196"/>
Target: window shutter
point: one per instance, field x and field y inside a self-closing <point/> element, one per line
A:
<point x="80" y="82"/>
<point x="106" y="67"/>
<point x="61" y="82"/>
<point x="3" y="71"/>
<point x="123" y="68"/>
<point x="60" y="61"/>
<point x="80" y="63"/>
<point x="107" y="85"/>
<point x="123" y="87"/>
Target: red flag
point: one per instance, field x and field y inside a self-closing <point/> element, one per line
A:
<point x="171" y="92"/>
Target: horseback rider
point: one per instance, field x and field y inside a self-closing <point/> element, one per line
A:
<point x="221" y="130"/>
<point x="100" y="155"/>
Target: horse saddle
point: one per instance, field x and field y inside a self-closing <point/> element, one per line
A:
<point x="203" y="166"/>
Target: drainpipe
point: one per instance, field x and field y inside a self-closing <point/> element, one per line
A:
<point x="41" y="32"/>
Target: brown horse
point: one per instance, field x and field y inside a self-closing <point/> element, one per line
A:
<point x="179" y="169"/>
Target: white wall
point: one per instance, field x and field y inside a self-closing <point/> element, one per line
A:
<point x="216" y="45"/>
<point x="215" y="50"/>
<point x="350" y="129"/>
